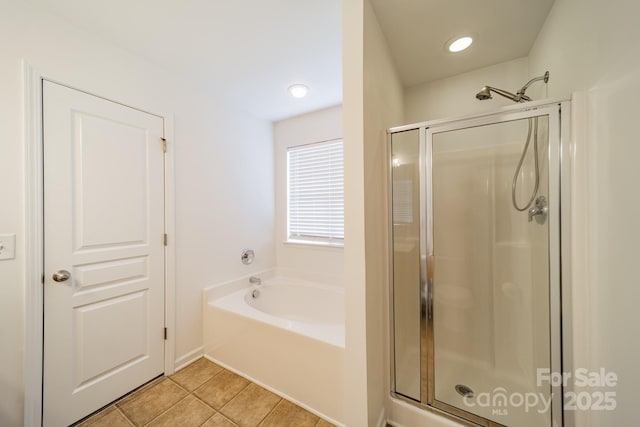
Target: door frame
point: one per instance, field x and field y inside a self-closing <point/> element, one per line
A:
<point x="34" y="241"/>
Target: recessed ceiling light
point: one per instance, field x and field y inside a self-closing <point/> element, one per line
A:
<point x="298" y="90"/>
<point x="460" y="44"/>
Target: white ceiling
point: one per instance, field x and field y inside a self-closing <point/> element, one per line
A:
<point x="246" y="50"/>
<point x="417" y="30"/>
<point x="250" y="51"/>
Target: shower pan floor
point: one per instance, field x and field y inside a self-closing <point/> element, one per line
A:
<point x="499" y="397"/>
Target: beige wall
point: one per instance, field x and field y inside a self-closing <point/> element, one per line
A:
<point x="310" y="262"/>
<point x="354" y="237"/>
<point x="372" y="102"/>
<point x="223" y="168"/>
<point x="590" y="48"/>
<point x="383" y="104"/>
<point x="456" y="95"/>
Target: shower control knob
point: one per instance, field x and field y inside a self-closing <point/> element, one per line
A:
<point x="539" y="210"/>
<point x="247" y="256"/>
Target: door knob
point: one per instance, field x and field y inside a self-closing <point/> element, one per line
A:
<point x="61" y="276"/>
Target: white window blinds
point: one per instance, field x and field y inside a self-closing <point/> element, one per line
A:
<point x="316" y="193"/>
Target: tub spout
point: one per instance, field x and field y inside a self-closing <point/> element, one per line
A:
<point x="255" y="280"/>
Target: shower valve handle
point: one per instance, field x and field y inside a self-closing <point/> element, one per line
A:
<point x="539" y="210"/>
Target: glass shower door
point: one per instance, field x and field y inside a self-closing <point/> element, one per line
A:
<point x="489" y="271"/>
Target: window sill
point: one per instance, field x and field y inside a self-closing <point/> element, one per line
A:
<point x="313" y="245"/>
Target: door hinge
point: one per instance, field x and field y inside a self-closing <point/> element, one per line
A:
<point x="42" y="279"/>
<point x="165" y="239"/>
<point x="165" y="333"/>
<point x="164" y="145"/>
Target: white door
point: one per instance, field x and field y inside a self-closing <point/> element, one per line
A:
<point x="104" y="225"/>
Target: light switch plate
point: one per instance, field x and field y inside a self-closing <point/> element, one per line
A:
<point x="7" y="246"/>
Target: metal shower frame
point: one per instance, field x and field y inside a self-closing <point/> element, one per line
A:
<point x="559" y="249"/>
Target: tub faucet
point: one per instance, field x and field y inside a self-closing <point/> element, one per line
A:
<point x="255" y="280"/>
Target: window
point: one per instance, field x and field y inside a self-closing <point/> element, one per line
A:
<point x="315" y="193"/>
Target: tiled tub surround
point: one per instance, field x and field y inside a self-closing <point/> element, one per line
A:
<point x="203" y="394"/>
<point x="290" y="340"/>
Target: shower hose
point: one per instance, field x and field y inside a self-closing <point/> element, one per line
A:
<point x="514" y="184"/>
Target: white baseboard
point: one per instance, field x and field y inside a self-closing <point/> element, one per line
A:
<point x="188" y="358"/>
<point x="279" y="393"/>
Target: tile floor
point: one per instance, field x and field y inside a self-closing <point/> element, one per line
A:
<point x="204" y="394"/>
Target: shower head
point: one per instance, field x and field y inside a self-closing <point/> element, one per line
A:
<point x="485" y="92"/>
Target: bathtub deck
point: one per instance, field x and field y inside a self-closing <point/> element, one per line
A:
<point x="203" y="394"/>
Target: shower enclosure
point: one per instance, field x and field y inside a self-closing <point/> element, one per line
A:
<point x="476" y="283"/>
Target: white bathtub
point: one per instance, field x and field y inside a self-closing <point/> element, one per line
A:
<point x="290" y="339"/>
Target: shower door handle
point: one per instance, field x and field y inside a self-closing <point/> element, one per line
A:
<point x="430" y="268"/>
